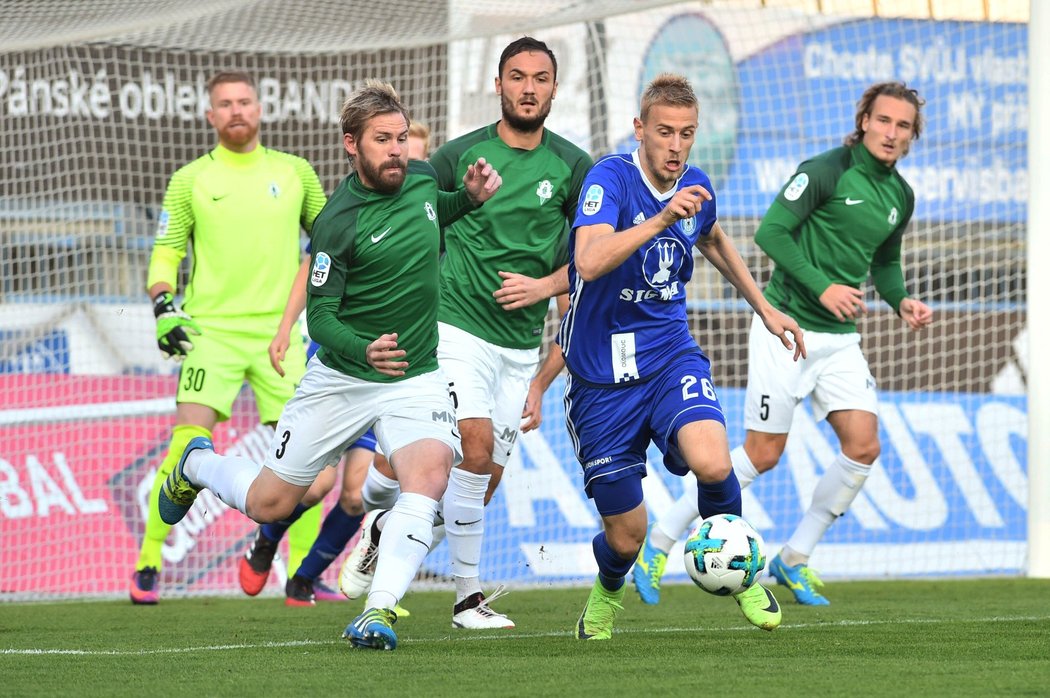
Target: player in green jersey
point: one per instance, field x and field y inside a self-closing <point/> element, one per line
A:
<point x="371" y="306"/>
<point x="841" y="216"/>
<point x="241" y="206"/>
<point x="501" y="264"/>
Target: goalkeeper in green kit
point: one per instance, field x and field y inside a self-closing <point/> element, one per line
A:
<point x="241" y="206"/>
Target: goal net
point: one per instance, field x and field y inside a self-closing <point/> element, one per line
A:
<point x="101" y="101"/>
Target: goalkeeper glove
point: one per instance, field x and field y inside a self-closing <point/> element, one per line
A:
<point x="173" y="328"/>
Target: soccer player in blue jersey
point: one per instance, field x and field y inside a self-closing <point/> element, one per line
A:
<point x="635" y="372"/>
<point x="841" y="217"/>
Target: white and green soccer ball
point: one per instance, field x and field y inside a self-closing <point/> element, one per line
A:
<point x="724" y="555"/>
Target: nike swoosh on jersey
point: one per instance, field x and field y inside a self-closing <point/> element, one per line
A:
<point x="377" y="238"/>
<point x="853" y="202"/>
<point x="219" y="197"/>
<point x="467" y="523"/>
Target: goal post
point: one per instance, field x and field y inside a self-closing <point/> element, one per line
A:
<point x="101" y="101"/>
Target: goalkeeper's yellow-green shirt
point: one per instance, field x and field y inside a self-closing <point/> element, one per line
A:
<point x="241" y="213"/>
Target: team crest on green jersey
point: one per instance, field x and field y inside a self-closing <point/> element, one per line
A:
<point x="545" y="191"/>
<point x="892" y="220"/>
<point x="431" y="213"/>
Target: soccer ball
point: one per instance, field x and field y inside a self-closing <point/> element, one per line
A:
<point x="724" y="555"/>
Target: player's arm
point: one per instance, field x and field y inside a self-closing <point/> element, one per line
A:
<point x="174" y="227"/>
<point x="532" y="414"/>
<point x="600" y="248"/>
<point x="888" y="277"/>
<point x="292" y="310"/>
<point x="719" y="250"/>
<point x="481" y="181"/>
<point x="314" y="198"/>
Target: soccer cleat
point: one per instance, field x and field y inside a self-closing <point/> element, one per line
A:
<point x="801" y="580"/>
<point x="474" y="612"/>
<point x="355" y="578"/>
<point x="647" y="571"/>
<point x="596" y="621"/>
<point x="177" y="493"/>
<point x="254" y="568"/>
<point x="323" y="592"/>
<point x="400" y="611"/>
<point x="759" y="606"/>
<point x="144" y="589"/>
<point x="372" y="629"/>
<point x="299" y="591"/>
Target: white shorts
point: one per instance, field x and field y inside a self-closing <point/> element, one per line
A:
<point x="331" y="410"/>
<point x="487" y="382"/>
<point x="835" y="373"/>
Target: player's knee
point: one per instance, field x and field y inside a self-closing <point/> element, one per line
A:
<point x="351" y="502"/>
<point x="713" y="471"/>
<point x="268" y="511"/>
<point x="864" y="452"/>
<point x="764" y="455"/>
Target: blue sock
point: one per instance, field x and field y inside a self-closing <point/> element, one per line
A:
<point x="612" y="569"/>
<point x="277" y="529"/>
<point x="336" y="531"/>
<point x="719" y="497"/>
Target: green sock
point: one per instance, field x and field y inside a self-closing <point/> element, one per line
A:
<point x="156" y="529"/>
<point x="301" y="536"/>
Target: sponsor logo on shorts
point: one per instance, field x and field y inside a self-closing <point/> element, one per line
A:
<point x="443" y="416"/>
<point x="598" y="461"/>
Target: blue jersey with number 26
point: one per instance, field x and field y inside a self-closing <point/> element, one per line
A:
<point x="627" y="324"/>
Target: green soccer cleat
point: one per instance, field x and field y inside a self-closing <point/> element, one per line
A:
<point x="760" y="607"/>
<point x="177" y="493"/>
<point x="596" y="621"/>
<point x="372" y="630"/>
<point x="801" y="580"/>
<point x="647" y="571"/>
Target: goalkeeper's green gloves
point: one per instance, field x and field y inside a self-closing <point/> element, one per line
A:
<point x="173" y="328"/>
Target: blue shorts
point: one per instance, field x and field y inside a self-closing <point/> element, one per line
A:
<point x="367" y="440"/>
<point x="611" y="427"/>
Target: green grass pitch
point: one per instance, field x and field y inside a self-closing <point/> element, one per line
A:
<point x="983" y="637"/>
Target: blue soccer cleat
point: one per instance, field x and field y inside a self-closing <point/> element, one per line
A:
<point x="372" y="630"/>
<point x="647" y="571"/>
<point x="801" y="580"/>
<point x="177" y="493"/>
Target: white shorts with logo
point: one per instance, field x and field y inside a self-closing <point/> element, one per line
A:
<point x="331" y="410"/>
<point x="835" y="373"/>
<point x="487" y="382"/>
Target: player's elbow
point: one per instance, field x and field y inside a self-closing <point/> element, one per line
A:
<point x="587" y="269"/>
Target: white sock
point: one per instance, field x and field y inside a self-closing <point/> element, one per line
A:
<point x="676" y="520"/>
<point x="379" y="491"/>
<point x="745" y="470"/>
<point x="464" y="513"/>
<point x="835" y="491"/>
<point x="404" y="544"/>
<point x="228" y="477"/>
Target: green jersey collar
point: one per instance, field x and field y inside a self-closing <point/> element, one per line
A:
<point x="865" y="161"/>
<point x="229" y="157"/>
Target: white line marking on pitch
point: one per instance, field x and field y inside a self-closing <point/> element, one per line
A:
<point x="517" y="636"/>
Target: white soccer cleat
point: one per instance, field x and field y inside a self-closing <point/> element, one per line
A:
<point x="355" y="578"/>
<point x="474" y="612"/>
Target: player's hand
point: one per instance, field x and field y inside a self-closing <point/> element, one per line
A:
<point x="174" y="328"/>
<point x="782" y="325"/>
<point x="520" y="291"/>
<point x="685" y="203"/>
<point x="916" y="313"/>
<point x="844" y="302"/>
<point x="277" y="349"/>
<point x="482" y="181"/>
<point x="532" y="414"/>
<point x="384" y="356"/>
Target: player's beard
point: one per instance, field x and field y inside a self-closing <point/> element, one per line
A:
<point x="525" y="124"/>
<point x="377" y="175"/>
<point x="237" y="138"/>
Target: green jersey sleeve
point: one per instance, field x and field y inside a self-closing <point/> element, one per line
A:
<point x="777" y="236"/>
